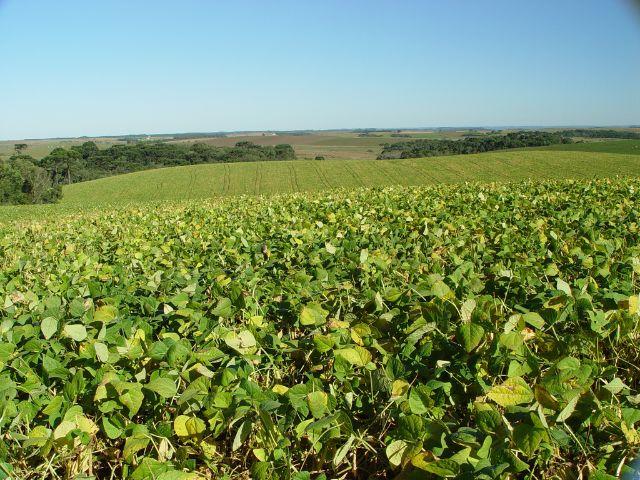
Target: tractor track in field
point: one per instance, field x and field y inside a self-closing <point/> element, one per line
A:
<point x="258" y="179"/>
<point x="421" y="172"/>
<point x="192" y="181"/>
<point x="322" y="176"/>
<point x="293" y="175"/>
<point x="226" y="179"/>
<point x="390" y="173"/>
<point x="353" y="173"/>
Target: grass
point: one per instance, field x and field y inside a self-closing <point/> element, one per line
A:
<point x="265" y="178"/>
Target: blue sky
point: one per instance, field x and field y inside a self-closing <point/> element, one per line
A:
<point x="72" y="67"/>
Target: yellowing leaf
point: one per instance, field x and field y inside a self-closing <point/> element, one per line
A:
<point x="105" y="313"/>
<point x="76" y="332"/>
<point x="399" y="388"/>
<point x="317" y="402"/>
<point x="513" y="391"/>
<point x="185" y="426"/>
<point x="357" y="355"/>
<point x="243" y="342"/>
<point x="313" y="314"/>
<point x="280" y="389"/>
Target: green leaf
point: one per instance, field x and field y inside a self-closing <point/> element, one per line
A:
<point x="600" y="475"/>
<point x="534" y="319"/>
<point x="514" y="391"/>
<point x="420" y="401"/>
<point x="488" y="418"/>
<point x="313" y="314"/>
<point x="342" y="452"/>
<point x="615" y="386"/>
<point x="317" y="402"/>
<point x="410" y="427"/>
<point x="395" y="451"/>
<point x="163" y="386"/>
<point x="243" y="342"/>
<point x="37" y="437"/>
<point x="223" y="308"/>
<point x="178" y="475"/>
<point x="470" y="335"/>
<point x="134" y="444"/>
<point x="6" y="470"/>
<point x="48" y="326"/>
<point x="323" y="343"/>
<point x="513" y="341"/>
<point x="442" y="468"/>
<point x="150" y="469"/>
<point x="242" y="434"/>
<point x="441" y="290"/>
<point x="527" y="438"/>
<point x="102" y="352"/>
<point x="132" y="398"/>
<point x="568" y="410"/>
<point x="76" y="332"/>
<point x="110" y="428"/>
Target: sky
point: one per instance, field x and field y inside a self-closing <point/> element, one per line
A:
<point x="78" y="67"/>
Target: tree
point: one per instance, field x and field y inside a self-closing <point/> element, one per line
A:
<point x="22" y="181"/>
<point x="19" y="147"/>
<point x="63" y="165"/>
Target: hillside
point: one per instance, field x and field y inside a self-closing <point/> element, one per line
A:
<point x="631" y="147"/>
<point x="219" y="180"/>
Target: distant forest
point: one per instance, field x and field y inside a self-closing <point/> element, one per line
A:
<point x="485" y="143"/>
<point x="87" y="162"/>
<point x="24" y="179"/>
<point x="602" y="133"/>
<point x="478" y="143"/>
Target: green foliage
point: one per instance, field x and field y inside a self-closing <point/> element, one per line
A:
<point x="601" y="133"/>
<point x="23" y="182"/>
<point x="444" y="332"/>
<point x="87" y="162"/>
<point x="469" y="144"/>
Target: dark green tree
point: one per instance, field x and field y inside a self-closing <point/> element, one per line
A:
<point x="22" y="182"/>
<point x="19" y="147"/>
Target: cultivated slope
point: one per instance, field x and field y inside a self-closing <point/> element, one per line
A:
<point x="207" y="181"/>
<point x="204" y="181"/>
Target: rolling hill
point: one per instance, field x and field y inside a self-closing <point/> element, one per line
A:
<point x="265" y="178"/>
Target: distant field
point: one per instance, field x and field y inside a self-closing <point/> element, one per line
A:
<point x="220" y="180"/>
<point x="631" y="147"/>
<point x="329" y="144"/>
<point x="41" y="148"/>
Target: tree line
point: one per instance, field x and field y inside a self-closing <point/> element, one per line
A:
<point x="486" y="143"/>
<point x="24" y="179"/>
<point x="495" y="140"/>
<point x="601" y="133"/>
